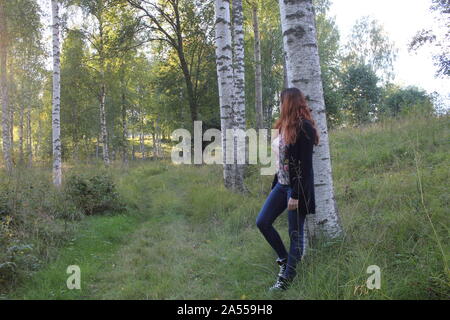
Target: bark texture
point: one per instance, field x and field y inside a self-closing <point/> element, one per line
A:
<point x="224" y="60"/>
<point x="258" y="72"/>
<point x="239" y="88"/>
<point x="56" y="135"/>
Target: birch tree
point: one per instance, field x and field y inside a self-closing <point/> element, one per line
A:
<point x="4" y="88"/>
<point x="258" y="72"/>
<point x="239" y="88"/>
<point x="56" y="131"/>
<point x="224" y="61"/>
<point x="303" y="72"/>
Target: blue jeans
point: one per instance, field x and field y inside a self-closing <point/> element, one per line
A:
<point x="275" y="204"/>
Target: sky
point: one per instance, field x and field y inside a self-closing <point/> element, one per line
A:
<point x="401" y="20"/>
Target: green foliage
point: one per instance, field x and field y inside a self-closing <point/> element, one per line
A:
<point x="359" y="85"/>
<point x="93" y="195"/>
<point x="370" y="45"/>
<point x="403" y="100"/>
<point x="36" y="218"/>
<point x="30" y="223"/>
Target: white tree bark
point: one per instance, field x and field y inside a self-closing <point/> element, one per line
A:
<point x="239" y="88"/>
<point x="224" y="60"/>
<point x="56" y="136"/>
<point x="303" y="72"/>
<point x="6" y="137"/>
<point x="258" y="72"/>
<point x="103" y="127"/>
<point x="142" y="136"/>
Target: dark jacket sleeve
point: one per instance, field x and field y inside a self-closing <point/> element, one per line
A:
<point x="274" y="181"/>
<point x="301" y="168"/>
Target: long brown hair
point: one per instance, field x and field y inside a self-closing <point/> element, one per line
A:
<point x="294" y="108"/>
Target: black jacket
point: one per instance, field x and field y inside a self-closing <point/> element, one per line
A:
<point x="301" y="174"/>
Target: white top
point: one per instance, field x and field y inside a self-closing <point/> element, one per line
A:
<point x="282" y="169"/>
<point x="276" y="151"/>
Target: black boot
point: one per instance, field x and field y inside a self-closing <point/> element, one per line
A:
<point x="282" y="263"/>
<point x="282" y="284"/>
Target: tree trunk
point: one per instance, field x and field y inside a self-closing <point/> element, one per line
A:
<point x="224" y="60"/>
<point x="285" y="73"/>
<point x="239" y="88"/>
<point x="57" y="173"/>
<point x="21" y="134"/>
<point x="158" y="139"/>
<point x="124" y="128"/>
<point x="133" y="150"/>
<point x="6" y="133"/>
<point x="303" y="72"/>
<point x="155" y="145"/>
<point x="103" y="127"/>
<point x="29" y="138"/>
<point x="189" y="86"/>
<point x="142" y="144"/>
<point x="258" y="73"/>
<point x="39" y="138"/>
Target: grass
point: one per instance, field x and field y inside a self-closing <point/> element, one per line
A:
<point x="187" y="237"/>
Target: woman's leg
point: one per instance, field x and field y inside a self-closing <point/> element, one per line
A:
<point x="296" y="221"/>
<point x="275" y="204"/>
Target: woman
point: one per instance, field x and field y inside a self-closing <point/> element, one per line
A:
<point x="293" y="184"/>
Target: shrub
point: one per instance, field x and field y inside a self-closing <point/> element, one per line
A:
<point x="93" y="195"/>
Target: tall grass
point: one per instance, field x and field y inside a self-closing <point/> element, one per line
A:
<point x="185" y="236"/>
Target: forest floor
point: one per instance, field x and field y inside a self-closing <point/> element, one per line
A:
<point x="186" y="237"/>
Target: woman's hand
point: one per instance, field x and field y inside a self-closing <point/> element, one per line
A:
<point x="292" y="204"/>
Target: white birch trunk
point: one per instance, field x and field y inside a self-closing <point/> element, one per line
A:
<point x="239" y="88"/>
<point x="303" y="72"/>
<point x="57" y="174"/>
<point x="124" y="126"/>
<point x="258" y="72"/>
<point x="4" y="90"/>
<point x="103" y="127"/>
<point x="224" y="60"/>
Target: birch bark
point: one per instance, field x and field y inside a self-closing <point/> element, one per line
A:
<point x="303" y="72"/>
<point x="258" y="72"/>
<point x="239" y="89"/>
<point x="56" y="139"/>
<point x="224" y="62"/>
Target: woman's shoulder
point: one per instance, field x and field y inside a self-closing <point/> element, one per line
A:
<point x="305" y="124"/>
<point x="306" y="127"/>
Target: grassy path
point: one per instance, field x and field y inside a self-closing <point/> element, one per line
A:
<point x="162" y="249"/>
